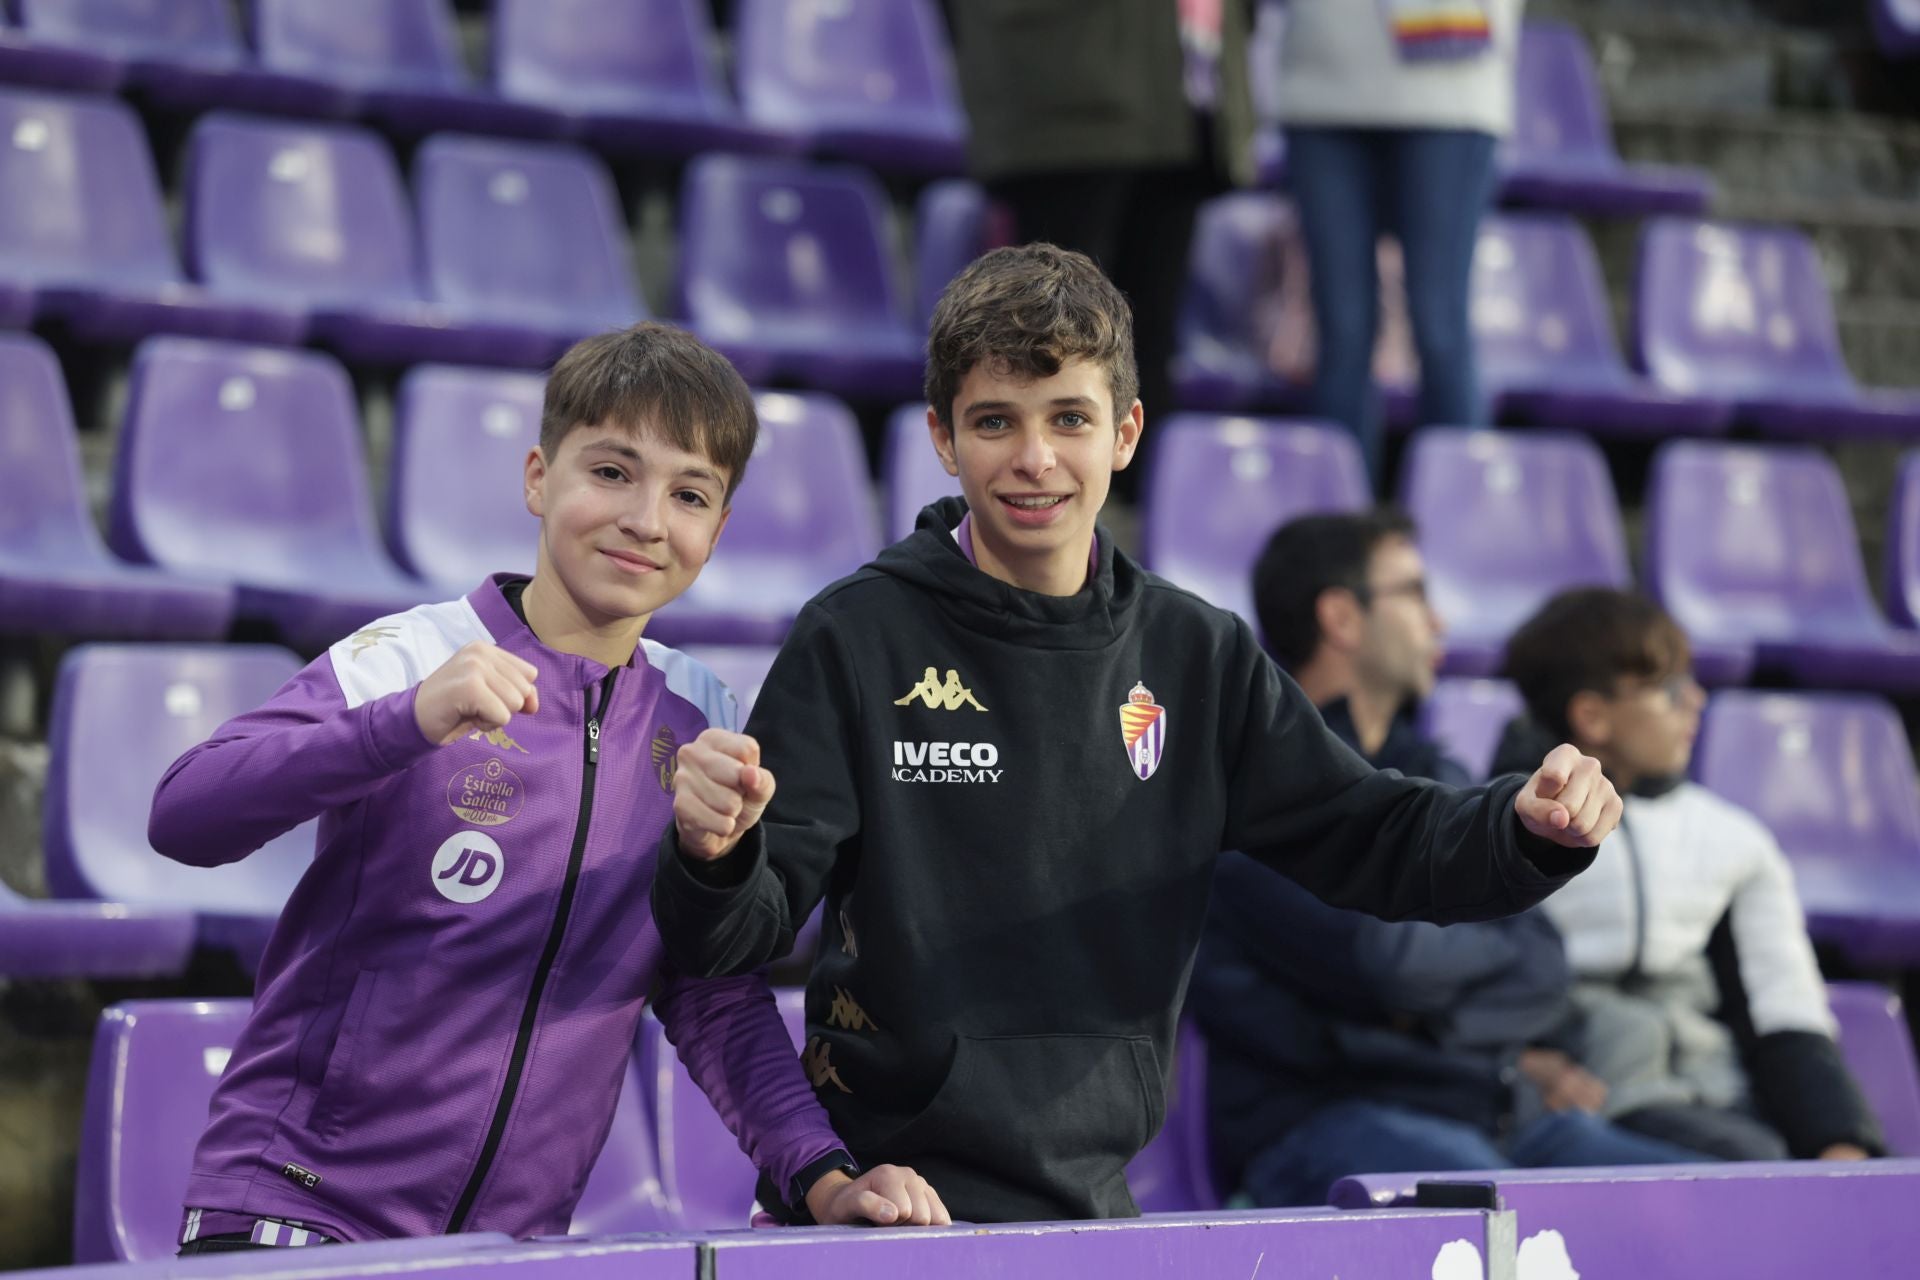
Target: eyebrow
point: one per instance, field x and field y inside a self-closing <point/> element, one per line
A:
<point x="1001" y="406"/>
<point x="615" y="445"/>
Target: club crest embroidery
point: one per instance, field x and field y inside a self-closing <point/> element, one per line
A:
<point x="1143" y="730"/>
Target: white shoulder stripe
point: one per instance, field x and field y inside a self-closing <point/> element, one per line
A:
<point x="695" y="681"/>
<point x="399" y="651"/>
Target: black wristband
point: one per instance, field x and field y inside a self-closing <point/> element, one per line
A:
<point x="838" y="1158"/>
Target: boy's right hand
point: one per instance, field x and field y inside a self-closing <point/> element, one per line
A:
<point x="886" y="1195"/>
<point x="719" y="792"/>
<point x="480" y="687"/>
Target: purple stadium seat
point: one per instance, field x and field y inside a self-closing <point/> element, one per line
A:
<point x="458" y="505"/>
<point x="1543" y="332"/>
<point x="1832" y="776"/>
<point x="315" y="216"/>
<point x="1467" y="717"/>
<point x="1896" y="24"/>
<point x="1743" y="315"/>
<point x="623" y="1191"/>
<point x="244" y="465"/>
<point x="870" y="81"/>
<point x="122" y="714"/>
<point x="56" y="577"/>
<point x="1507" y="520"/>
<point x="707" y="1181"/>
<point x="396" y="60"/>
<point x="1560" y="154"/>
<point x="1174" y="1172"/>
<point x="1903" y="546"/>
<point x="1219" y="487"/>
<point x="71" y="44"/>
<point x="627" y="75"/>
<point x="803" y="518"/>
<point x="524" y="233"/>
<point x="1752" y="545"/>
<point x="16" y="305"/>
<point x="1265" y="48"/>
<point x="1879" y="1049"/>
<point x="783" y="268"/>
<point x="185" y="53"/>
<point x="953" y="224"/>
<point x="741" y="667"/>
<point x="106" y="263"/>
<point x="41" y="939"/>
<point x="1234" y="274"/>
<point x="911" y="474"/>
<point x="155" y="1063"/>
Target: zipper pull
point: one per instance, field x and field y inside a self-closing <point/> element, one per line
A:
<point x="593" y="742"/>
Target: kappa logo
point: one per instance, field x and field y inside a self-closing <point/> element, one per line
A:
<point x="467" y="867"/>
<point x="666" y="756"/>
<point x="497" y="738"/>
<point x="950" y="696"/>
<point x="368" y="637"/>
<point x="821" y="1072"/>
<point x="846" y="1012"/>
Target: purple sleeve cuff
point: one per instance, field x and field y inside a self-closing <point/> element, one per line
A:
<point x="392" y="735"/>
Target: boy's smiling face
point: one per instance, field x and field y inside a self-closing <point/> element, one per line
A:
<point x="627" y="521"/>
<point x="1035" y="458"/>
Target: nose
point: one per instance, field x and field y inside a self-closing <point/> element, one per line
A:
<point x="644" y="518"/>
<point x="1036" y="457"/>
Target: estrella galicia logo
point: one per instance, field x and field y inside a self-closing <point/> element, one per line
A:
<point x="468" y="866"/>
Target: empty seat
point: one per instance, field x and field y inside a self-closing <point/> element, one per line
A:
<point x="1174" y="1172"/>
<point x="396" y="60"/>
<point x="1743" y="315"/>
<point x="1543" y="334"/>
<point x="1896" y="25"/>
<point x="154" y="1066"/>
<point x="42" y="939"/>
<point x="803" y="518"/>
<point x="1753" y="547"/>
<point x="1467" y="717"/>
<point x="83" y="228"/>
<point x="627" y="75"/>
<point x="1878" y="1046"/>
<point x="1219" y="487"/>
<point x="911" y="472"/>
<point x="865" y="80"/>
<point x="461" y="438"/>
<point x="953" y="224"/>
<point x="1832" y="776"/>
<point x="524" y="233"/>
<point x="56" y="576"/>
<point x="95" y="44"/>
<point x="1506" y="521"/>
<point x="314" y="216"/>
<point x="1231" y="304"/>
<point x="244" y="465"/>
<point x="1560" y="154"/>
<point x="784" y="269"/>
<point x="741" y="667"/>
<point x="122" y="714"/>
<point x="1903" y="546"/>
<point x="623" y="1191"/>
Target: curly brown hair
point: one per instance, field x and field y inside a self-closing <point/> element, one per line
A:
<point x="1025" y="311"/>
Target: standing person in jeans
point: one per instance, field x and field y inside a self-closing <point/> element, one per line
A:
<point x="1102" y="128"/>
<point x="1393" y="109"/>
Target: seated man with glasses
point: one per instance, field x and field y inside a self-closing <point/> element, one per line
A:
<point x="1707" y="1016"/>
<point x="1340" y="1044"/>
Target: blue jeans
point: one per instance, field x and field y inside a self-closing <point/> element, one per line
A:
<point x="1428" y="187"/>
<point x="1370" y="1137"/>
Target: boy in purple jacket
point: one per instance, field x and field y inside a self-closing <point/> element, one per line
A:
<point x="443" y="1015"/>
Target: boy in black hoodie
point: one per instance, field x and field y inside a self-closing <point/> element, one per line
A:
<point x="1007" y="756"/>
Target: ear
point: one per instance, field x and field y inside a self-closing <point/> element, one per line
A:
<point x="1338" y="615"/>
<point x="536" y="482"/>
<point x="942" y="442"/>
<point x="1590" y="718"/>
<point x="1126" y="435"/>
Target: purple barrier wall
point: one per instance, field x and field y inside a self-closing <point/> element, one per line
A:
<point x="1682" y="1222"/>
<point x="478" y="1256"/>
<point x="1409" y="1243"/>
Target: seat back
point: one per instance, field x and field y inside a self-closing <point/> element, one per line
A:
<point x="741" y="667"/>
<point x="43" y="500"/>
<point x="410" y="44"/>
<point x="953" y="225"/>
<point x="1903" y="545"/>
<point x="623" y="1191"/>
<point x="1174" y="1172"/>
<point x="1560" y="113"/>
<point x="1232" y="298"/>
<point x="911" y="470"/>
<point x="1540" y="309"/>
<point x="199" y="32"/>
<point x="850" y="64"/>
<point x="1878" y="1045"/>
<point x="1467" y="717"/>
<point x="614" y="56"/>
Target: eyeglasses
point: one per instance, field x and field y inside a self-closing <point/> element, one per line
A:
<point x="1415" y="589"/>
<point x="1676" y="689"/>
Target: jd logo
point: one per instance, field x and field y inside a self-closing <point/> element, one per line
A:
<point x="468" y="866"/>
<point x="951" y="696"/>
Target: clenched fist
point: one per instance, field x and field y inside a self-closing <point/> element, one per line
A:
<point x="719" y="792"/>
<point x="1568" y="800"/>
<point x="481" y="686"/>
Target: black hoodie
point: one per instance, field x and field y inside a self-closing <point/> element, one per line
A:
<point x="1014" y="893"/>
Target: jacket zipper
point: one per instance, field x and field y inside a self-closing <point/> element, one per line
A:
<point x="1639" y="898"/>
<point x="531" y="1013"/>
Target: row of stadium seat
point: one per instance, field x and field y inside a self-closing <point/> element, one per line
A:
<point x="240" y="475"/>
<point x="865" y="80"/>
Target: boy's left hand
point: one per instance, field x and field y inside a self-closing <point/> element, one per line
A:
<point x="886" y="1195"/>
<point x="1568" y="800"/>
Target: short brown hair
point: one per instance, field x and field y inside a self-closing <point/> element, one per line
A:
<point x="1588" y="640"/>
<point x="657" y="376"/>
<point x="1311" y="555"/>
<point x="1026" y="311"/>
